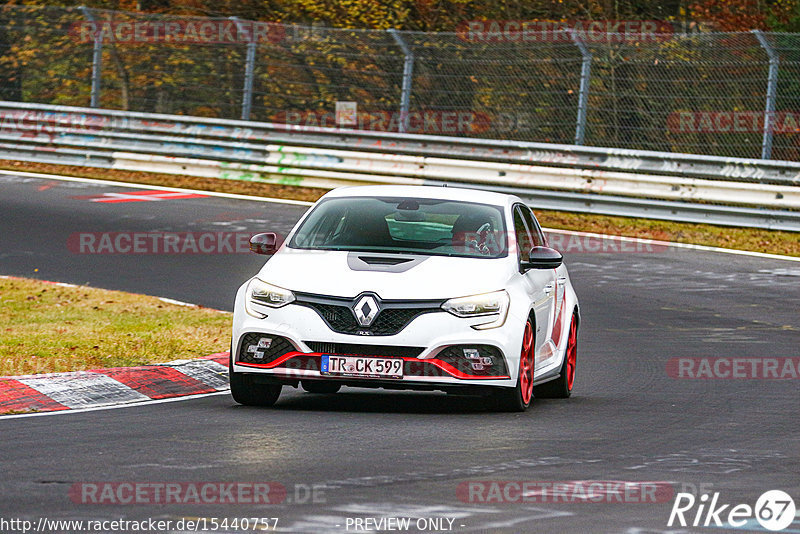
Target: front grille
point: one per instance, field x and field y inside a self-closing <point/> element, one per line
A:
<point x="457" y="356"/>
<point x="339" y="318"/>
<point x="278" y="346"/>
<point x="392" y="318"/>
<point x="364" y="350"/>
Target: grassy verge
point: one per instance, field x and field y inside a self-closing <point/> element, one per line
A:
<point x="769" y="241"/>
<point x="238" y="187"/>
<point x="51" y="328"/>
<point x="773" y="242"/>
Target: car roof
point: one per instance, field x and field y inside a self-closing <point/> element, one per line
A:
<point x="425" y="191"/>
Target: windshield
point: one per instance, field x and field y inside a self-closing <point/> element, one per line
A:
<point x="404" y="225"/>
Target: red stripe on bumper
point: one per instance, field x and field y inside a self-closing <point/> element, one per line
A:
<point x="444" y="366"/>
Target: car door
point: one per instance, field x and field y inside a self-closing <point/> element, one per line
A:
<point x="540" y="284"/>
<point x="562" y="317"/>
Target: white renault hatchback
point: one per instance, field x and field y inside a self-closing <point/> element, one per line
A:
<point x="408" y="287"/>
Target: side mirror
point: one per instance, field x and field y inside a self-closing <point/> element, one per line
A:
<point x="543" y="258"/>
<point x="266" y="243"/>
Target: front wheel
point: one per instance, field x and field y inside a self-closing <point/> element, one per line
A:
<point x="561" y="387"/>
<point x="518" y="399"/>
<point x="245" y="391"/>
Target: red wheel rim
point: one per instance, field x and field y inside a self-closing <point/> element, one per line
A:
<point x="526" y="364"/>
<point x="572" y="353"/>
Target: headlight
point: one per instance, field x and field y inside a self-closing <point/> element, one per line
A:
<point x="263" y="294"/>
<point x="487" y="304"/>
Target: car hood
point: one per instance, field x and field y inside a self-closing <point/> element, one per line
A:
<point x="347" y="274"/>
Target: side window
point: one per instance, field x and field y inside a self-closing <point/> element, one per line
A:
<point x="539" y="240"/>
<point x="524" y="239"/>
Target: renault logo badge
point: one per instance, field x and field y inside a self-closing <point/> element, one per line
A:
<point x="366" y="309"/>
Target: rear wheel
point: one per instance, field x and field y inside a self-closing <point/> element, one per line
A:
<point x="561" y="387"/>
<point x="318" y="386"/>
<point x="518" y="399"/>
<point x="246" y="391"/>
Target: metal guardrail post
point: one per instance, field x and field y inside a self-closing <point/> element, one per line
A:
<point x="772" y="90"/>
<point x="408" y="73"/>
<point x="583" y="94"/>
<point x="97" y="58"/>
<point x="249" y="69"/>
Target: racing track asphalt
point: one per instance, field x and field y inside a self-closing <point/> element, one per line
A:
<point x="404" y="454"/>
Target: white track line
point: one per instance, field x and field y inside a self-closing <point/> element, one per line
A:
<point x="162" y="299"/>
<point x="303" y="203"/>
<point x="157" y="187"/>
<point x="188" y="304"/>
<point x="690" y="246"/>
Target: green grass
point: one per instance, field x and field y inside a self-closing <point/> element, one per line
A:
<point x="768" y="241"/>
<point x="50" y="328"/>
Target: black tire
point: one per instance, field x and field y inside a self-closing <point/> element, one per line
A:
<point x="514" y="399"/>
<point x="245" y="391"/>
<point x="561" y="387"/>
<point x="318" y="386"/>
<point x="509" y="400"/>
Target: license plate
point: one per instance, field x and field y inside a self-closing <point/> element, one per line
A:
<point x="361" y="367"/>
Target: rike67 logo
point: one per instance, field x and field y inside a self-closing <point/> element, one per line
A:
<point x="774" y="510"/>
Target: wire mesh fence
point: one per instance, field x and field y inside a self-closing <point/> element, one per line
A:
<point x="726" y="94"/>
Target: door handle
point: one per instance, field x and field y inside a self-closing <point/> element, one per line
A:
<point x="548" y="288"/>
<point x="562" y="279"/>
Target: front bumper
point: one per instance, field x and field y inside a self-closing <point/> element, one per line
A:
<point x="428" y="346"/>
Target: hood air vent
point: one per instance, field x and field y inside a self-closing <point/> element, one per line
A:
<point x="382" y="260"/>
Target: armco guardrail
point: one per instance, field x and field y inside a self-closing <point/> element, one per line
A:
<point x="684" y="187"/>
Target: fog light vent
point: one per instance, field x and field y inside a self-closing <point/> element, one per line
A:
<point x="480" y="360"/>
